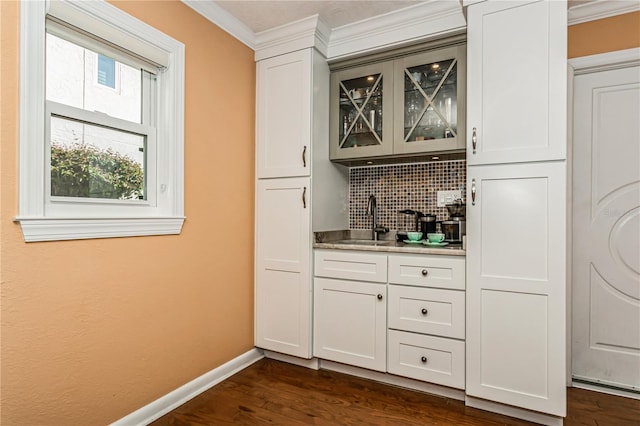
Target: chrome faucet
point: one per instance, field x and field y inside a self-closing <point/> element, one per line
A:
<point x="372" y="210"/>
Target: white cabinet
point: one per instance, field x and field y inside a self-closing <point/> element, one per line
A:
<point x="283" y="258"/>
<point x="426" y="310"/>
<point x="516" y="81"/>
<point x="516" y="205"/>
<point x="516" y="256"/>
<point x="350" y="308"/>
<point x="284" y="104"/>
<point x="292" y="139"/>
<point x="350" y="322"/>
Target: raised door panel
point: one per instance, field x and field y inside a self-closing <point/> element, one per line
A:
<point x="428" y="358"/>
<point x="427" y="311"/>
<point x="516" y="285"/>
<point x="283" y="134"/>
<point x="516" y="103"/>
<point x="283" y="257"/>
<point x="428" y="271"/>
<point x="350" y="322"/>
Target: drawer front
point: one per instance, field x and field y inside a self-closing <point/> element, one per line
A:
<point x="371" y="267"/>
<point x="427" y="310"/>
<point x="428" y="271"/>
<point x="427" y="358"/>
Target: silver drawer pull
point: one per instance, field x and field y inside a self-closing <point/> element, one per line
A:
<point x="473" y="192"/>
<point x="425" y="272"/>
<point x="474" y="140"/>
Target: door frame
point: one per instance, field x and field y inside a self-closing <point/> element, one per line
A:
<point x="579" y="66"/>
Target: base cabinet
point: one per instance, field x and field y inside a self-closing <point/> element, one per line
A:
<point x="398" y="313"/>
<point x="350" y="322"/>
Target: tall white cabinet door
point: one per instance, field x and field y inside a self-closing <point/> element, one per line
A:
<point x="350" y="322"/>
<point x="283" y="256"/>
<point x="516" y="81"/>
<point x="283" y="99"/>
<point x="516" y="285"/>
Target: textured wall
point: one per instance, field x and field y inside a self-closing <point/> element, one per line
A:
<point x="93" y="330"/>
<point x="604" y="35"/>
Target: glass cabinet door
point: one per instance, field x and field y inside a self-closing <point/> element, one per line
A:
<point x="429" y="101"/>
<point x="361" y="111"/>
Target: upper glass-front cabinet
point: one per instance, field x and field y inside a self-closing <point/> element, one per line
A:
<point x="411" y="105"/>
<point x="430" y="101"/>
<point x="361" y="113"/>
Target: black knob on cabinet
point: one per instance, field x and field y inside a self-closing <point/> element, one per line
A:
<point x="379" y="297"/>
<point x="424" y="311"/>
<point x="424" y="272"/>
<point x="423" y="359"/>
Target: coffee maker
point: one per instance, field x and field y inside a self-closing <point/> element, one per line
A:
<point x="456" y="226"/>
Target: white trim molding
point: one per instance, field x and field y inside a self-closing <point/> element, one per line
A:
<point x="600" y="9"/>
<point x="301" y="34"/>
<point x="188" y="391"/>
<point x="606" y="61"/>
<point x="424" y="21"/>
<point x="223" y="19"/>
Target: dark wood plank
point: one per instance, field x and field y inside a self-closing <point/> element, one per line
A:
<point x="277" y="393"/>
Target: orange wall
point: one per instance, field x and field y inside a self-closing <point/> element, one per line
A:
<point x="604" y="35"/>
<point x="93" y="330"/>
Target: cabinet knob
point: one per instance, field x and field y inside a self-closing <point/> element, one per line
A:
<point x="425" y="272"/>
<point x="379" y="297"/>
<point x="424" y="311"/>
<point x="424" y="359"/>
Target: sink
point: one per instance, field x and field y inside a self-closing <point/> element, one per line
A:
<point x="364" y="242"/>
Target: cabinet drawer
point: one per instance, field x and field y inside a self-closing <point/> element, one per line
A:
<point x="427" y="310"/>
<point x="428" y="271"/>
<point x="431" y="359"/>
<point x="370" y="267"/>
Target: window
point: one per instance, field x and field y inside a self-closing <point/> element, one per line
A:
<point x="99" y="163"/>
<point x="106" y="74"/>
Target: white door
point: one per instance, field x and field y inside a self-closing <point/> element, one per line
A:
<point x="606" y="228"/>
<point x="516" y="285"/>
<point x="350" y="322"/>
<point x="283" y="258"/>
<point x="283" y="133"/>
<point x="516" y="81"/>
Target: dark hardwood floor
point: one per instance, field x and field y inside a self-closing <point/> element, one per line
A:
<point x="277" y="393"/>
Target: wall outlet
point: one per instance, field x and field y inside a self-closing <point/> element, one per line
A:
<point x="448" y="197"/>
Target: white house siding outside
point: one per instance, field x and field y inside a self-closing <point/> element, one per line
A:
<point x="72" y="79"/>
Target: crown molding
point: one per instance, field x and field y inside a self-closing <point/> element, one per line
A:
<point x="224" y="20"/>
<point x="301" y="34"/>
<point x="600" y="9"/>
<point x="424" y="21"/>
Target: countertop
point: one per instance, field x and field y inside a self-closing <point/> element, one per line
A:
<point x="358" y="240"/>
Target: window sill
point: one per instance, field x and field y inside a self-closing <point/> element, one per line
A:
<point x="58" y="229"/>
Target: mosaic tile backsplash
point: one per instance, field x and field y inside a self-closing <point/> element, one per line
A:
<point x="404" y="186"/>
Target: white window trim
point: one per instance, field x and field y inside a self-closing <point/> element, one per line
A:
<point x="168" y="216"/>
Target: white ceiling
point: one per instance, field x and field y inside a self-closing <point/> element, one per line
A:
<point x="260" y="15"/>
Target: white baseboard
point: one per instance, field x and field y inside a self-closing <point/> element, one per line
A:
<point x="519" y="413"/>
<point x="184" y="393"/>
<point x="604" y="389"/>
